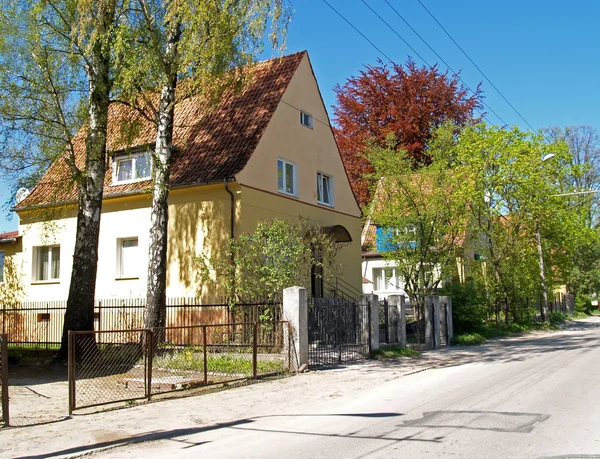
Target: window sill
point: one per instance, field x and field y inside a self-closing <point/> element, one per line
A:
<point x="290" y="195"/>
<point x="46" y="282"/>
<point x="324" y="204"/>
<point x="126" y="278"/>
<point x="127" y="182"/>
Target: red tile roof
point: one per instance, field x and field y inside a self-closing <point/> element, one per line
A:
<point x="10" y="235"/>
<point x="210" y="147"/>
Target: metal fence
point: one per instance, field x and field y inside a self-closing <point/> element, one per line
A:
<point x="119" y="366"/>
<point x="4" y="414"/>
<point x="40" y="324"/>
<point x="338" y="330"/>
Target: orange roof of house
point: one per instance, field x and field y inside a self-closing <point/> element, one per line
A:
<point x="209" y="146"/>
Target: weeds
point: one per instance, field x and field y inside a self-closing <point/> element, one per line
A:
<point x="394" y="352"/>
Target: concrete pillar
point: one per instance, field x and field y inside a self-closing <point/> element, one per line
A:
<point x="397" y="303"/>
<point x="432" y="322"/>
<point x="446" y="317"/>
<point x="295" y="312"/>
<point x="373" y="305"/>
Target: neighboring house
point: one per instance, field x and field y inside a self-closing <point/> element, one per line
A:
<point x="268" y="152"/>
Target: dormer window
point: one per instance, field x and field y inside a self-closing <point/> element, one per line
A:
<point x="306" y="119"/>
<point x="132" y="168"/>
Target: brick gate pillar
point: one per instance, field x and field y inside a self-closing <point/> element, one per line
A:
<point x="398" y="303"/>
<point x="446" y="316"/>
<point x="373" y="302"/>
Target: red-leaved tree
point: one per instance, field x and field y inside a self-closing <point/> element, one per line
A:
<point x="407" y="100"/>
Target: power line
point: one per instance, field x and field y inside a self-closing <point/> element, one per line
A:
<point x="476" y="66"/>
<point x="379" y="50"/>
<point x="361" y="34"/>
<point x="435" y="52"/>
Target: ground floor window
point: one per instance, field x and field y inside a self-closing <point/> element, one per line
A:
<point x="387" y="279"/>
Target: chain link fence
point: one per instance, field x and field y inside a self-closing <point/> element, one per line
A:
<point x="4" y="414"/>
<point x="124" y="366"/>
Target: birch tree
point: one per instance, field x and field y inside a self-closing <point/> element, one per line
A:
<point x="207" y="43"/>
<point x="64" y="59"/>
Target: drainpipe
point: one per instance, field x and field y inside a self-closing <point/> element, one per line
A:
<point x="231" y="231"/>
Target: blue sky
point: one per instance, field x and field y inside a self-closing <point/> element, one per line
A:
<point x="543" y="55"/>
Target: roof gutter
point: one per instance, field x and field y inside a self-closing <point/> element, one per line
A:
<point x="122" y="194"/>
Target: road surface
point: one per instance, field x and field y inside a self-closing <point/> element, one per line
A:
<point x="536" y="396"/>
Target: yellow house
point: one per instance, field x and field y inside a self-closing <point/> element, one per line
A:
<point x="267" y="152"/>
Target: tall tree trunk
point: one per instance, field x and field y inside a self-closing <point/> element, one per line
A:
<point x="80" y="303"/>
<point x="538" y="240"/>
<point x="156" y="293"/>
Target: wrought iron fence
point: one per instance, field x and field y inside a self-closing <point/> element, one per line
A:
<point x="123" y="366"/>
<point x="4" y="414"/>
<point x="40" y="324"/>
<point x="338" y="330"/>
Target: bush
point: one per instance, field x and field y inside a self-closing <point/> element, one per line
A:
<point x="583" y="304"/>
<point x="468" y="339"/>
<point x="469" y="309"/>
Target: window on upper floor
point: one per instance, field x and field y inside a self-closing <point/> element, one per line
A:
<point x="132" y="168"/>
<point x="306" y="119"/>
<point x="287" y="177"/>
<point x="387" y="279"/>
<point x="127" y="258"/>
<point x="1" y="266"/>
<point x="324" y="189"/>
<point x="46" y="263"/>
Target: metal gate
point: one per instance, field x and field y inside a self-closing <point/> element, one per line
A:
<point x="338" y="330"/>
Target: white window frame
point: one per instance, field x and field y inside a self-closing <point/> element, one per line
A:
<point x="133" y="157"/>
<point x="282" y="189"/>
<point x="306" y="119"/>
<point x="398" y="281"/>
<point x="2" y="262"/>
<point x="320" y="176"/>
<point x="133" y="274"/>
<point x="47" y="275"/>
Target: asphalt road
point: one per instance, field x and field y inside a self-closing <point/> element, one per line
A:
<point x="530" y="397"/>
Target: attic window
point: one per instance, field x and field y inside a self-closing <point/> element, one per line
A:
<point x="306" y="119"/>
<point x="132" y="168"/>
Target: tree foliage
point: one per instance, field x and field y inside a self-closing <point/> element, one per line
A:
<point x="406" y="100"/>
<point x="279" y="254"/>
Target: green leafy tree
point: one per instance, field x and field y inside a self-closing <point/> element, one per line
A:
<point x="420" y="216"/>
<point x="279" y="254"/>
<point x="207" y="43"/>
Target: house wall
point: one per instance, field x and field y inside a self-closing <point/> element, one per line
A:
<point x="258" y="205"/>
<point x="314" y="150"/>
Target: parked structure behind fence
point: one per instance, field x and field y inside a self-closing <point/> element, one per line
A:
<point x="123" y="366"/>
<point x="4" y="414"/>
<point x="40" y="324"/>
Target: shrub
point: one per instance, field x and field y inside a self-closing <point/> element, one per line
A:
<point x="583" y="304"/>
<point x="469" y="309"/>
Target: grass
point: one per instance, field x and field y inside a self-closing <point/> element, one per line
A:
<point x="217" y="363"/>
<point x="468" y="339"/>
<point x="394" y="352"/>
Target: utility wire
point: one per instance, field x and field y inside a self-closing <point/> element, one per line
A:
<point x="434" y="51"/>
<point x="380" y="51"/>
<point x="476" y="66"/>
<point x="361" y="34"/>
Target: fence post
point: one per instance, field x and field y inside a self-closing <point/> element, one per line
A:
<point x="295" y="312"/>
<point x="205" y="354"/>
<point x="432" y="322"/>
<point x="71" y="371"/>
<point x="4" y="379"/>
<point x="255" y="350"/>
<point x="397" y="302"/>
<point x="449" y="321"/>
<point x="149" y="359"/>
<point x="373" y="303"/>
